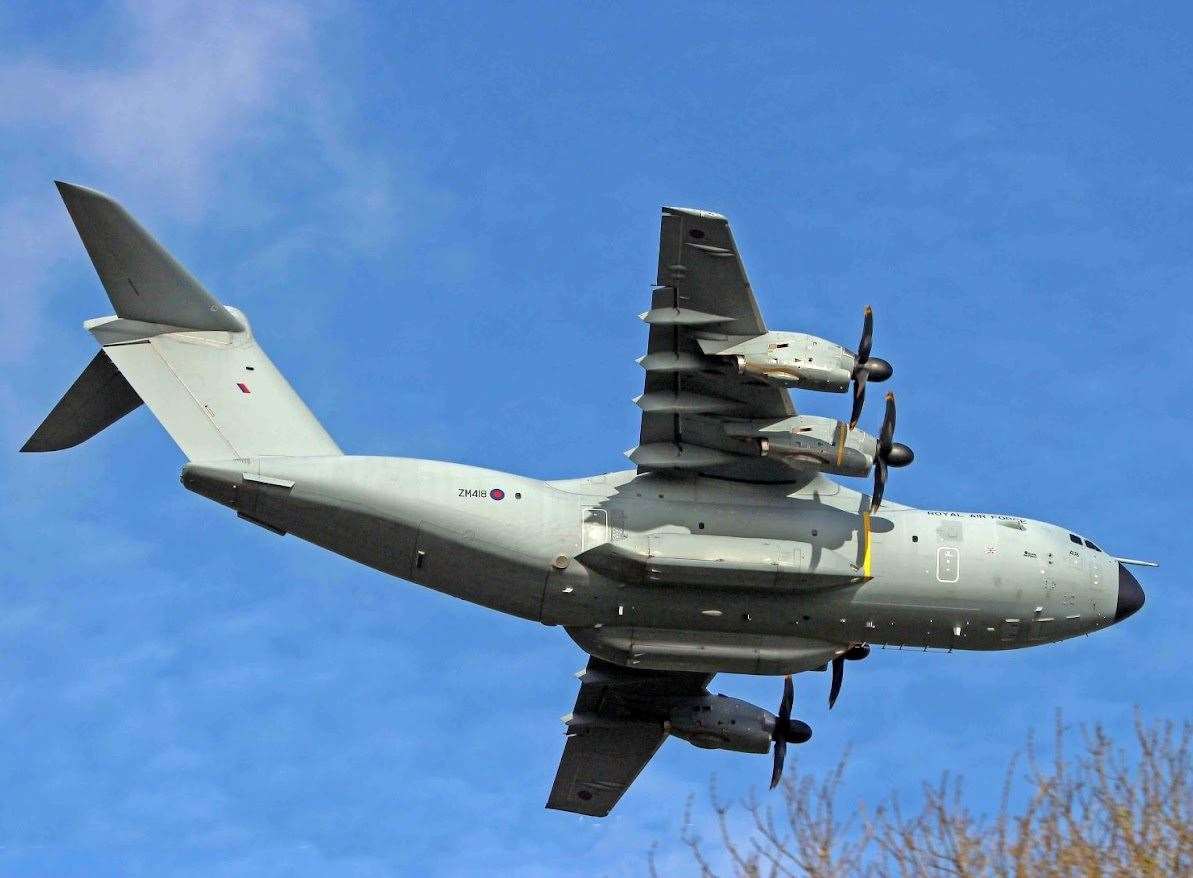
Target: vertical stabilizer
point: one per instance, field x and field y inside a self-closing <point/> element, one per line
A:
<point x="217" y="394"/>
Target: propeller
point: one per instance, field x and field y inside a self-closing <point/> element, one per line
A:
<point x="838" y="676"/>
<point x="855" y="653"/>
<point x="867" y="368"/>
<point x="888" y="453"/>
<point x="786" y="729"/>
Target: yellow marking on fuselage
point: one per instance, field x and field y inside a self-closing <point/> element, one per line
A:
<point x="840" y="442"/>
<point x="866" y="546"/>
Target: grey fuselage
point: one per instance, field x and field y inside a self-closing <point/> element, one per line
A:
<point x="687" y="572"/>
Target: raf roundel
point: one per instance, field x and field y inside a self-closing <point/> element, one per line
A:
<point x="497" y="494"/>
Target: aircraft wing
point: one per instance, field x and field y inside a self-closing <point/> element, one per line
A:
<point x="616" y="726"/>
<point x="702" y="294"/>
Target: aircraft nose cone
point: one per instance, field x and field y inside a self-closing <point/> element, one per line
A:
<point x="1130" y="594"/>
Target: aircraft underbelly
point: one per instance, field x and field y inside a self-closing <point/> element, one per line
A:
<point x="465" y="566"/>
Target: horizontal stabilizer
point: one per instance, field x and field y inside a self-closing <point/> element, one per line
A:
<point x="142" y="279"/>
<point x="100" y="397"/>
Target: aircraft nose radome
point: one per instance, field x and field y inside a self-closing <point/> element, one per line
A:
<point x="1130" y="594"/>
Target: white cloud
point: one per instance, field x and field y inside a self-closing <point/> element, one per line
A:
<point x="33" y="238"/>
<point x="179" y="111"/>
<point x="190" y="84"/>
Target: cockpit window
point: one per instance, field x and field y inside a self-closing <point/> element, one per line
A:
<point x="1090" y="545"/>
<point x="1073" y="538"/>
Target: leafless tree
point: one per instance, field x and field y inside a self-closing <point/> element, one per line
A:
<point x="1091" y="809"/>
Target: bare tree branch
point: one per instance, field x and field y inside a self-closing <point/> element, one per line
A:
<point x="1092" y="809"/>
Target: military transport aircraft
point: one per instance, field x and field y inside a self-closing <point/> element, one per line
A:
<point x="727" y="548"/>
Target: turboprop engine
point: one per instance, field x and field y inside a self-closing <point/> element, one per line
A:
<point x="810" y="442"/>
<point x="792" y="359"/>
<point x="795" y="359"/>
<point x="718" y="722"/>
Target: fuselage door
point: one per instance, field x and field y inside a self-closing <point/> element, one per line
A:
<point x="594" y="528"/>
<point x="948" y="564"/>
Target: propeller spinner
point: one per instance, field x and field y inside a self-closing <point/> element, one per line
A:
<point x="867" y="368"/>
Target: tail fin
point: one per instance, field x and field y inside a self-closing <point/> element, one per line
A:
<point x="171" y="344"/>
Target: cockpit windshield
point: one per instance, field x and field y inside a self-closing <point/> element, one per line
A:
<point x="1073" y="538"/>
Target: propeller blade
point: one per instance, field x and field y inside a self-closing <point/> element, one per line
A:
<point x="863" y="346"/>
<point x="780" y="757"/>
<point x="838" y="676"/>
<point x="859" y="395"/>
<point x="782" y="727"/>
<point x="879" y="483"/>
<point x="788" y="700"/>
<point x="887" y="434"/>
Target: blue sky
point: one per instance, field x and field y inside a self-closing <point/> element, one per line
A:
<point x="443" y="222"/>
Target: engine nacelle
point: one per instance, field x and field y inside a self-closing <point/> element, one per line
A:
<point x="810" y="442"/>
<point x="718" y="722"/>
<point x="791" y="359"/>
